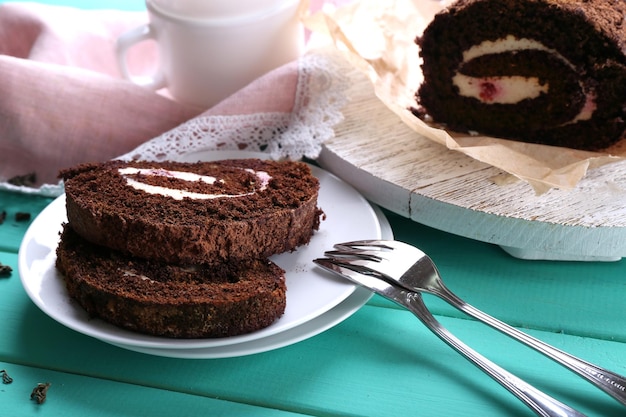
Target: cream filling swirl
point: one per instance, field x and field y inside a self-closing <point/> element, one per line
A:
<point x="511" y="89"/>
<point x="501" y="89"/>
<point x="262" y="177"/>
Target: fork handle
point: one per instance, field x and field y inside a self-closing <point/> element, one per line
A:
<point x="541" y="403"/>
<point x="609" y="382"/>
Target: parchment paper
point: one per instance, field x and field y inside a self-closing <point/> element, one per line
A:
<point x="378" y="38"/>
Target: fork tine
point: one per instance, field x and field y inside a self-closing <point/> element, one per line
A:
<point x="370" y="264"/>
<point x="379" y="245"/>
<point x="358" y="274"/>
<point x="378" y="250"/>
<point x="378" y="258"/>
<point x="355" y="244"/>
<point x="354" y="254"/>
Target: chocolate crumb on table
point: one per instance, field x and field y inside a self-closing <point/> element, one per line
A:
<point x="6" y="379"/>
<point x="39" y="392"/>
<point x="5" y="270"/>
<point x="22" y="216"/>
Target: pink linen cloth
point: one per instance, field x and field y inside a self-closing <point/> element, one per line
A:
<point x="63" y="101"/>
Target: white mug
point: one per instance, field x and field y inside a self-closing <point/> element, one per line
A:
<point x="209" y="49"/>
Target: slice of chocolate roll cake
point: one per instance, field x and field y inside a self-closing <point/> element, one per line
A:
<point x="168" y="300"/>
<point x="193" y="213"/>
<point x="541" y="71"/>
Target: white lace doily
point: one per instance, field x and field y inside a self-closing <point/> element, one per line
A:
<point x="320" y="95"/>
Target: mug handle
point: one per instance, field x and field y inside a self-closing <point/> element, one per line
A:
<point x="124" y="43"/>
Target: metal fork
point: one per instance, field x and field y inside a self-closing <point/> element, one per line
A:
<point x="412" y="269"/>
<point x="541" y="403"/>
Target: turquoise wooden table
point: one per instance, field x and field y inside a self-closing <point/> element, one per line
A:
<point x="379" y="362"/>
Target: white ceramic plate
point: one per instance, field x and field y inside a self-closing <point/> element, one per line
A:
<point x="310" y="293"/>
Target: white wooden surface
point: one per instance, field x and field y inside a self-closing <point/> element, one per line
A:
<point x="408" y="174"/>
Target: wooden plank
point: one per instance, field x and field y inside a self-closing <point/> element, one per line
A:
<point x="373" y="364"/>
<point x="77" y="395"/>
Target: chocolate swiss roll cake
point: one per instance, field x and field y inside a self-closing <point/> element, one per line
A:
<point x="178" y="301"/>
<point x="542" y="71"/>
<point x="194" y="213"/>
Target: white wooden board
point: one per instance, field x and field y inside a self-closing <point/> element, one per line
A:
<point x="408" y="174"/>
